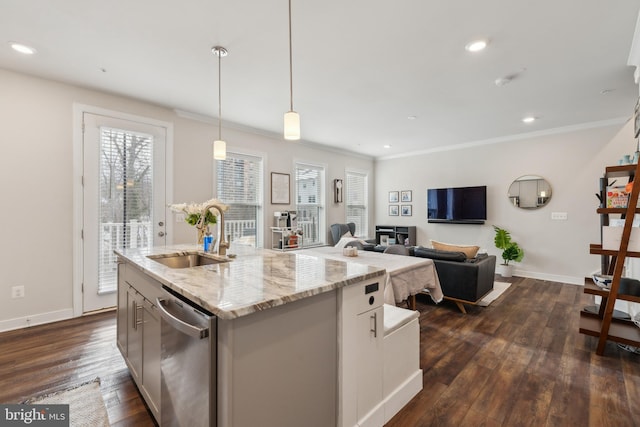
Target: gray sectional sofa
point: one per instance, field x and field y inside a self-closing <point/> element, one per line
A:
<point x="464" y="281"/>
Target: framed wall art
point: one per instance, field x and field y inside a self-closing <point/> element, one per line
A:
<point x="405" y="196"/>
<point x="393" y="196"/>
<point x="394" y="210"/>
<point x="337" y="190"/>
<point x="405" y="210"/>
<point x="280" y="183"/>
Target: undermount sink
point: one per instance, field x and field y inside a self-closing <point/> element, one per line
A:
<point x="184" y="260"/>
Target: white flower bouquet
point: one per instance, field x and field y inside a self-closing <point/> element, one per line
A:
<point x="192" y="211"/>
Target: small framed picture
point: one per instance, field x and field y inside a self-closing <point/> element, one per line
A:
<point x="384" y="240"/>
<point x="394" y="210"/>
<point x="393" y="197"/>
<point x="405" y="210"/>
<point x="405" y="196"/>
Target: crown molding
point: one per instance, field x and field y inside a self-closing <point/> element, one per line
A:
<point x="516" y="137"/>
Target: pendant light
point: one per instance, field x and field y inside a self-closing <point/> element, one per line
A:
<point x="291" y="118"/>
<point x="219" y="146"/>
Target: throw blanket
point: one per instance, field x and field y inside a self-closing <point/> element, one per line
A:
<point x="406" y="275"/>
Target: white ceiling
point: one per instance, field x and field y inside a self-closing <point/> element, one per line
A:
<point x="361" y="67"/>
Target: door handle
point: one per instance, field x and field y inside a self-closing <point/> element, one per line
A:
<point x="135" y="321"/>
<point x="161" y="234"/>
<point x="161" y="223"/>
<point x="179" y="324"/>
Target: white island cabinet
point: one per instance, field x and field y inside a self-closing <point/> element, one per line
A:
<point x="298" y="342"/>
<point x="361" y="356"/>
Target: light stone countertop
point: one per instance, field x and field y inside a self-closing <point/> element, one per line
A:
<point x="257" y="279"/>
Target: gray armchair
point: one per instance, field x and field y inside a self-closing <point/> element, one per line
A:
<point x="338" y="230"/>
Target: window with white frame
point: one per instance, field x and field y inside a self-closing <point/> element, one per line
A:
<point x="309" y="206"/>
<point x="356" y="202"/>
<point x="239" y="182"/>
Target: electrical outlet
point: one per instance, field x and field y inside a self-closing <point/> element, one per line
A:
<point x="179" y="217"/>
<point x="17" y="292"/>
<point x="562" y="216"/>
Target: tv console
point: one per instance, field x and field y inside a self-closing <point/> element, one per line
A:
<point x="398" y="233"/>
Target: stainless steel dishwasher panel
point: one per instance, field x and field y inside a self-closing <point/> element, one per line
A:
<point x="188" y="363"/>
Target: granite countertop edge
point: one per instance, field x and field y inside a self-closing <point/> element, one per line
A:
<point x="206" y="285"/>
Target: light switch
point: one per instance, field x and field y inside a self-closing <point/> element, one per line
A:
<point x="179" y="217"/>
<point x="561" y="216"/>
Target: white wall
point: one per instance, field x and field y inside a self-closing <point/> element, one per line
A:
<point x="572" y="162"/>
<point x="36" y="178"/>
<point x="193" y="173"/>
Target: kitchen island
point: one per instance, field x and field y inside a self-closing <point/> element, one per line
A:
<point x="283" y="350"/>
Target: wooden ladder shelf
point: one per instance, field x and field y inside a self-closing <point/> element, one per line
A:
<point x="604" y="324"/>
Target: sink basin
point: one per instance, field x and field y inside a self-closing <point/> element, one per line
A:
<point x="184" y="260"/>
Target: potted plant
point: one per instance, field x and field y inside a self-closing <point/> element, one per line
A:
<point x="510" y="251"/>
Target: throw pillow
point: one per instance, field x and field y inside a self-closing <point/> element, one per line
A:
<point x="344" y="240"/>
<point x="348" y="234"/>
<point x="468" y="250"/>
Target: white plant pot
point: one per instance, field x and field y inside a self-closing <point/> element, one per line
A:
<point x="504" y="270"/>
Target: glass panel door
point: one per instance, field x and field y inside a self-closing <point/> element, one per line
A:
<point x="124" y="199"/>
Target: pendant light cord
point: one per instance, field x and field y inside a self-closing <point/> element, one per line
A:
<point x="220" y="96"/>
<point x="290" y="61"/>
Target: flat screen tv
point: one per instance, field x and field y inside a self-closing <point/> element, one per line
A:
<point x="461" y="205"/>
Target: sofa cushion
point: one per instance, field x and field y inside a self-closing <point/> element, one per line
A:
<point x="469" y="250"/>
<point x="440" y="255"/>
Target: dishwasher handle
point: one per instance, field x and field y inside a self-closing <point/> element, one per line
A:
<point x="181" y="325"/>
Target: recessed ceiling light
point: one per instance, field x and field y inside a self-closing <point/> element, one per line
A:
<point x="529" y="119"/>
<point x="412" y="117"/>
<point x="476" y="45"/>
<point x="22" y="48"/>
<point x="386" y="146"/>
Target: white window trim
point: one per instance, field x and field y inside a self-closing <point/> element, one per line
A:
<point x="322" y="227"/>
<point x="367" y="174"/>
<point x="266" y="213"/>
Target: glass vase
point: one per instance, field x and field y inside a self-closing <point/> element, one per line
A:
<point x="201" y="234"/>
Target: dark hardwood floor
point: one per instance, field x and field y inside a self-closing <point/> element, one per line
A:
<point x="518" y="362"/>
<point x="48" y="358"/>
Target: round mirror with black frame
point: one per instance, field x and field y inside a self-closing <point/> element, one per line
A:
<point x="529" y="192"/>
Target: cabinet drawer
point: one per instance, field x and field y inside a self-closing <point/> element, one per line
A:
<point x="151" y="289"/>
<point x="364" y="296"/>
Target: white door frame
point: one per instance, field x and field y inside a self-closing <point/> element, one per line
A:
<point x="78" y="194"/>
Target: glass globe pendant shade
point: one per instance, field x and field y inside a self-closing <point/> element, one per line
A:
<point x="291" y="126"/>
<point x="219" y="150"/>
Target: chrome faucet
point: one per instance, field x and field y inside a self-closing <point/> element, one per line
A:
<point x="223" y="245"/>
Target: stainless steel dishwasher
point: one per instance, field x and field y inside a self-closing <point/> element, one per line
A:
<point x="188" y="362"/>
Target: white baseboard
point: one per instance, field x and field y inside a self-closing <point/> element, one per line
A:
<point x="398" y="398"/>
<point x="374" y="417"/>
<point x="36" y="319"/>
<point x="550" y="277"/>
